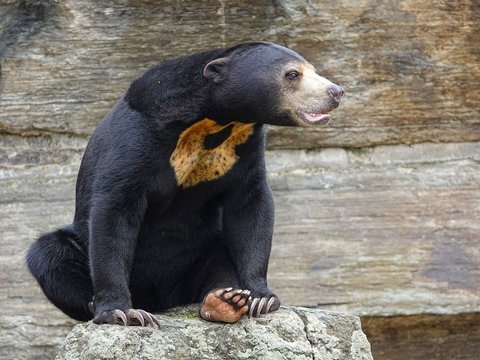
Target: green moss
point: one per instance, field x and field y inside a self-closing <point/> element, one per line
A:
<point x="185" y="312"/>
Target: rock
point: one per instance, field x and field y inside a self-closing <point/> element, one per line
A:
<point x="290" y="333"/>
<point x="424" y="336"/>
<point x="391" y="230"/>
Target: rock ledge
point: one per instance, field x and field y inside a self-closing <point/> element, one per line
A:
<point x="289" y="333"/>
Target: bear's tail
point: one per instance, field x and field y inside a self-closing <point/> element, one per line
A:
<point x="59" y="263"/>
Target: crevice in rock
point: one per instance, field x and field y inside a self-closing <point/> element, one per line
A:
<point x="305" y="323"/>
<point x="33" y="133"/>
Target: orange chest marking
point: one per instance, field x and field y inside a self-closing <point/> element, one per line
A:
<point x="193" y="162"/>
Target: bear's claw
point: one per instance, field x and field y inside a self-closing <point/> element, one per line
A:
<point x="133" y="317"/>
<point x="119" y="315"/>
<point x="259" y="306"/>
<point x="150" y="318"/>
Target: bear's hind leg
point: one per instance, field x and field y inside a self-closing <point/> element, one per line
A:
<point x="61" y="268"/>
<point x="216" y="285"/>
<point x="225" y="305"/>
<point x="222" y="295"/>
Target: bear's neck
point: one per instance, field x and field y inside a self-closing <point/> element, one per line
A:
<point x="174" y="91"/>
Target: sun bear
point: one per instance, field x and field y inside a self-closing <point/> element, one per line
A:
<point x="172" y="200"/>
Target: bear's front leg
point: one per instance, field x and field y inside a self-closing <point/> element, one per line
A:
<point x="248" y="225"/>
<point x="114" y="226"/>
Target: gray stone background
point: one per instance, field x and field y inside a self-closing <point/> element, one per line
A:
<point x="377" y="213"/>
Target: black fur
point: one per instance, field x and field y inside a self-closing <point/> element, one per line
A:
<point x="137" y="238"/>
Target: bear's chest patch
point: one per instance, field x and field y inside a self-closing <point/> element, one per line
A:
<point x="206" y="151"/>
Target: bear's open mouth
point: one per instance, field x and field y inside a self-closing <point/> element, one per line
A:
<point x="315" y="118"/>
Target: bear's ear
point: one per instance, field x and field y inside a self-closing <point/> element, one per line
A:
<point x="216" y="70"/>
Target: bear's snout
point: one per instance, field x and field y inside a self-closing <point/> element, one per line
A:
<point x="336" y="92"/>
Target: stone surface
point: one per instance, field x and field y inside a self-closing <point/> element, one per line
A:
<point x="291" y="333"/>
<point x="385" y="231"/>
<point x="410" y="68"/>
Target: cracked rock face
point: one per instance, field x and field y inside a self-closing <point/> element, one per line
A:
<point x="289" y="333"/>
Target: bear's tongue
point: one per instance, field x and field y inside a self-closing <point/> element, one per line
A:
<point x="317" y="118"/>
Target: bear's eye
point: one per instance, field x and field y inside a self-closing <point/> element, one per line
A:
<point x="293" y="75"/>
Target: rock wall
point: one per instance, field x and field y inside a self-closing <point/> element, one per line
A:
<point x="377" y="214"/>
<point x="410" y="69"/>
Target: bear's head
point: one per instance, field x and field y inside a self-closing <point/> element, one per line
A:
<point x="267" y="83"/>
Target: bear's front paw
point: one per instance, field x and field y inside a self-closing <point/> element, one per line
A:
<point x="262" y="305"/>
<point x="133" y="317"/>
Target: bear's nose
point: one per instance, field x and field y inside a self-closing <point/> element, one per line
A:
<point x="336" y="92"/>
